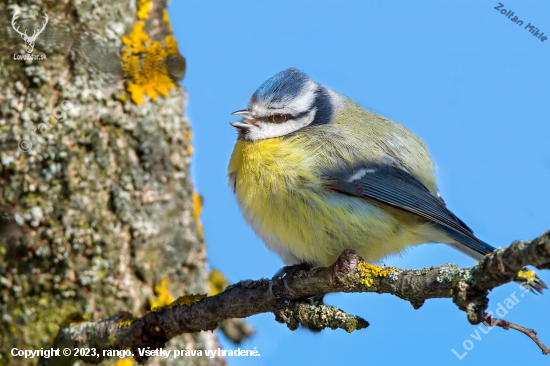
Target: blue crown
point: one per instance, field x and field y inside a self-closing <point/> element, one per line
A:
<point x="286" y="84"/>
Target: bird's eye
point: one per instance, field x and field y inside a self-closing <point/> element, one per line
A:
<point x="280" y="118"/>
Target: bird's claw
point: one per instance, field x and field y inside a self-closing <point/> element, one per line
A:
<point x="283" y="273"/>
<point x="272" y="281"/>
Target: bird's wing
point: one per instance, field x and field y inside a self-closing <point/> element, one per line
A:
<point x="390" y="183"/>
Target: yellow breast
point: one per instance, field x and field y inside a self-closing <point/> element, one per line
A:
<point x="270" y="165"/>
<point x="283" y="199"/>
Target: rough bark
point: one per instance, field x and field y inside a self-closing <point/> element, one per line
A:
<point x="290" y="299"/>
<point x="99" y="216"/>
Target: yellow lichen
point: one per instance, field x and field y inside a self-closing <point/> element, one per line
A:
<point x="145" y="6"/>
<point x="197" y="209"/>
<point x="75" y="318"/>
<point x="143" y="62"/>
<point x="124" y="362"/>
<point x="182" y="300"/>
<point x="370" y="272"/>
<point x="171" y="45"/>
<point x="111" y="341"/>
<point x="189" y="299"/>
<point x="137" y="39"/>
<point x="527" y="276"/>
<point x="126" y="322"/>
<point x="166" y="19"/>
<point x="163" y="295"/>
<point x="189" y="137"/>
<point x="217" y="282"/>
<point x="126" y="319"/>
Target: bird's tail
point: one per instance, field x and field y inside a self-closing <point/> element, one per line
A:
<point x="477" y="249"/>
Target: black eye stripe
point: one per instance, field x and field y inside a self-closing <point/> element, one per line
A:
<point x="324" y="107"/>
<point x="290" y="116"/>
<point x="265" y="119"/>
<point x="300" y="115"/>
<point x="269" y="119"/>
<point x="280" y="118"/>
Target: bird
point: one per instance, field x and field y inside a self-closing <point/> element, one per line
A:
<point x="314" y="174"/>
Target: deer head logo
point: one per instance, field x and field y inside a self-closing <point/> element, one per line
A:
<point x="29" y="41"/>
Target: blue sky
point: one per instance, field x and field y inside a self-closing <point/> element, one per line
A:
<point x="463" y="77"/>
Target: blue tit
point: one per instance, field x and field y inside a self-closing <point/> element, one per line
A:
<point x="315" y="174"/>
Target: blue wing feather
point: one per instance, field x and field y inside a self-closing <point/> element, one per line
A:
<point x="396" y="187"/>
<point x="393" y="185"/>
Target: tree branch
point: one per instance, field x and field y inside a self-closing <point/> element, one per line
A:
<point x="528" y="332"/>
<point x="467" y="287"/>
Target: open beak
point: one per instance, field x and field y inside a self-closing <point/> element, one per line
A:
<point x="242" y="113"/>
<point x="241" y="124"/>
<point x="245" y="113"/>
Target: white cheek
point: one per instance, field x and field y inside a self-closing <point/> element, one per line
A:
<point x="270" y="130"/>
<point x="336" y="99"/>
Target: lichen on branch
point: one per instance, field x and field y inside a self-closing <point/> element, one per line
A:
<point x="292" y="302"/>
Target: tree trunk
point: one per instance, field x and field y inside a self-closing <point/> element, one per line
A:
<point x="98" y="210"/>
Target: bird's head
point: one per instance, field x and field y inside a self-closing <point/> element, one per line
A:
<point x="283" y="104"/>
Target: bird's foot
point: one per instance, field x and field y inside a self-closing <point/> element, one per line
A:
<point x="286" y="271"/>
